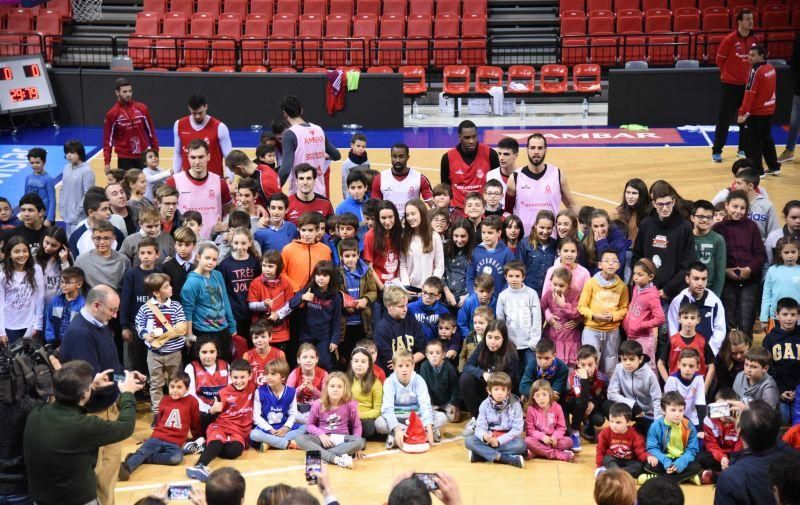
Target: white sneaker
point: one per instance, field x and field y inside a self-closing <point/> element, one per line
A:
<point x="344" y="461"/>
<point x="437" y="436"/>
<point x="599" y="471"/>
<point x="469" y="429"/>
<point x="389" y="441"/>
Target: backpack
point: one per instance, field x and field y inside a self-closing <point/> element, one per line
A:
<point x="25" y="372"/>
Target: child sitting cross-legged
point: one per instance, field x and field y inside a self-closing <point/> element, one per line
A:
<point x="442" y="380"/>
<point x="366" y="387"/>
<point x="262" y="352"/>
<point x="499" y="426"/>
<point x="545" y="426"/>
<point x="307" y="379"/>
<point x="720" y="441"/>
<point x="333" y="425"/>
<point x="275" y="409"/>
<point x="621" y="446"/>
<point x="673" y="441"/>
<point x="179" y="413"/>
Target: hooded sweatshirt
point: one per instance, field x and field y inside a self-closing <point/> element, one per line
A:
<point x="399" y="400"/>
<point x="392" y="334"/>
<point x="644" y="313"/>
<point x="352" y="206"/>
<point x="764" y="389"/>
<point x="205" y="303"/>
<point x="489" y="261"/>
<point x="712" y="317"/>
<point x="359" y="283"/>
<point x="745" y="247"/>
<point x="763" y="214"/>
<point x="321" y="321"/>
<point x="506" y="418"/>
<point x="428" y="317"/>
<point x="784" y="347"/>
<point x="659" y="437"/>
<point x="670" y="245"/>
<point x="600" y="295"/>
<point x="278" y="291"/>
<point x="540" y="423"/>
<point x="721" y="438"/>
<point x="639" y="389"/>
<point x="520" y="310"/>
<point x="782" y="281"/>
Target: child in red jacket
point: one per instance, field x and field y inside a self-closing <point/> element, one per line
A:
<point x="721" y="439"/>
<point x="619" y="445"/>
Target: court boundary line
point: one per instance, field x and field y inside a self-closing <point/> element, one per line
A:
<point x="271" y="471"/>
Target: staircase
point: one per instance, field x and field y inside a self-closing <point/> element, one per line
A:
<point x="523" y="32"/>
<point x="89" y="44"/>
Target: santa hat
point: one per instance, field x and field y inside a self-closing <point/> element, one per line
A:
<point x="416" y="439"/>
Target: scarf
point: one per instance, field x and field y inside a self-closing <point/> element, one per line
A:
<point x="358" y="160"/>
<point x="270" y="283"/>
<point x="547" y="374"/>
<point x="499" y="406"/>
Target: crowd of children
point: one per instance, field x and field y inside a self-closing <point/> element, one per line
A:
<point x="322" y="333"/>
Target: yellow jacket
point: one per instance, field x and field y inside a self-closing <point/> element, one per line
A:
<point x="369" y="405"/>
<point x="601" y="296"/>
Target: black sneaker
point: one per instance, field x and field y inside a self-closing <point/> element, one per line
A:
<point x="776" y="172"/>
<point x="124" y="470"/>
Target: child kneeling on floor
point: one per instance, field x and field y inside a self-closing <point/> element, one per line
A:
<point x="178" y="413"/>
<point x="675" y="451"/>
<point x="498" y="430"/>
<point x="275" y="409"/>
<point x="333" y="425"/>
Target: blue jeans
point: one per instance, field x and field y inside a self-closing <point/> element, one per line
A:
<point x="157" y="452"/>
<point x="271" y="440"/>
<point x="513" y="447"/>
<point x="15" y="499"/>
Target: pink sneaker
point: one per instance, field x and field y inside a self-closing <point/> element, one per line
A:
<point x="707" y="477"/>
<point x="567" y="456"/>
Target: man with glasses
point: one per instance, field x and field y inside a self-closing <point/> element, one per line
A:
<point x="401" y="184"/>
<point x="709" y="246"/>
<point x="102" y="264"/>
<point x="167" y="201"/>
<point x="90" y="338"/>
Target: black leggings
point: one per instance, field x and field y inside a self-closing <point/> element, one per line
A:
<point x="690" y="471"/>
<point x="217" y="449"/>
<point x="577" y="408"/>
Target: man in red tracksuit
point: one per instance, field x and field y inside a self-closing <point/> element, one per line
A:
<point x="756" y="112"/>
<point x="128" y="129"/>
<point x="734" y="67"/>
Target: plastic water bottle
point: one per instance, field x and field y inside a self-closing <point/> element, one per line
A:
<point x="414" y="109"/>
<point x="522" y="110"/>
<point x="585" y="108"/>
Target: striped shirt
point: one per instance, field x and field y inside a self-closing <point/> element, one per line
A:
<point x="146" y="323"/>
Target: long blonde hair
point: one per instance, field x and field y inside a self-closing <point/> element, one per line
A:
<point x="347" y="394"/>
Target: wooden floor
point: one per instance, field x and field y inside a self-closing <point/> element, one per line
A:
<point x="597" y="176"/>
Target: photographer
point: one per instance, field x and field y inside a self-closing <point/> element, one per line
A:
<point x="61" y="441"/>
<point x="411" y="490"/>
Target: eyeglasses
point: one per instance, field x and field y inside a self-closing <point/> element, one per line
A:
<point x="700" y="217"/>
<point x="611" y="262"/>
<point x="428" y="293"/>
<point x="67" y="282"/>
<point x="664" y="205"/>
<point x="102" y="239"/>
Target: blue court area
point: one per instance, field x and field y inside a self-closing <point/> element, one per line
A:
<point x="14" y="167"/>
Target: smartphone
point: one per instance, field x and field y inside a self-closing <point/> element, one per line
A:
<point x="719" y="409"/>
<point x="179" y="492"/>
<point x="313" y="466"/>
<point x="427" y="479"/>
<point x="118" y="377"/>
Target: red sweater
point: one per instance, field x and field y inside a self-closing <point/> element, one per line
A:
<point x="721" y="439"/>
<point x="129" y="130"/>
<point x="733" y="57"/>
<point x="629" y="445"/>
<point x="759" y="95"/>
<point x="176" y="418"/>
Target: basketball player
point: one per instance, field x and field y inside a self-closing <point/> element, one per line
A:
<point x="201" y="126"/>
<point x="465" y="166"/>
<point x="507" y="151"/>
<point x="401" y="184"/>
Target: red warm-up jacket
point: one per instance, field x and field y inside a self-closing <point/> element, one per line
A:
<point x="732" y="57"/>
<point x="129" y="130"/>
<point x="759" y="95"/>
<point x="721" y="439"/>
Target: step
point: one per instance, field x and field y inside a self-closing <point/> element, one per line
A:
<point x="523" y="42"/>
<point x="519" y="10"/>
<point x="114" y="18"/>
<point x="533" y="3"/>
<point x="520" y="21"/>
<point x="104" y="30"/>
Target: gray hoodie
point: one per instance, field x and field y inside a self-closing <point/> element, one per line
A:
<point x="762" y="212"/>
<point x="765" y="389"/>
<point x="637" y="388"/>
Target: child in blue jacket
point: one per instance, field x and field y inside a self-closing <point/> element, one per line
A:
<point x="490" y="255"/>
<point x="428" y="307"/>
<point x="676" y="452"/>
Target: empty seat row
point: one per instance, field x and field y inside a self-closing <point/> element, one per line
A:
<point x="22" y="20"/>
<point x="63" y="7"/>
<point x="319" y="7"/>
<point x="645" y="5"/>
<point x="522" y="79"/>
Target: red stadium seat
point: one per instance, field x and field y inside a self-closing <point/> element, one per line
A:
<point x="473" y="39"/>
<point x="186" y="7"/>
<point x="418" y="35"/>
<point x="284" y="70"/>
<point x="648" y="5"/>
<point x="687" y="19"/>
<point x="19" y="20"/>
<point x="450" y="7"/>
<point x="317" y="7"/>
<point x="196" y="51"/>
<point x="254" y="69"/>
<point x="732" y="4"/>
<point x="677" y="4"/>
<point x="658" y="21"/>
<point x="225" y="69"/>
<point x="796" y="17"/>
<point x="620" y="5"/>
<point x="156" y="69"/>
<point x="209" y="6"/>
<point x="190" y="68"/>
<point x="279" y="48"/>
<point x="571" y="5"/>
<point x="235" y="7"/>
<point x="48" y="22"/>
<point x="586" y="78"/>
<point x="334" y="52"/>
<point x="629" y="21"/>
<point x="764" y="3"/>
<point x="573" y="23"/>
<point x="158" y="6"/>
<point x="477" y="7"/>
<point x="372" y="7"/>
<point x="521" y="74"/>
<point x="380" y="69"/>
<point x="601" y="23"/>
<point x="342" y="7"/>
<point x="779" y="44"/>
<point x="229" y="30"/>
<point x="64" y="7"/>
<point x="265" y="7"/>
<point x="603" y="50"/>
<point x="456" y="80"/>
<point x="661" y="48"/>
<point x="704" y="4"/>
<point x="775" y="17"/>
<point x="396" y="7"/>
<point x="147" y="23"/>
<point x="445" y="41"/>
<point x="165" y="47"/>
<point x="256" y="25"/>
<point x="598" y="5"/>
<point x="390" y="43"/>
<point x="716" y="18"/>
<point x="629" y="24"/>
<point x="315" y="70"/>
<point x="310" y="33"/>
<point x="488" y="77"/>
<point x="414" y="83"/>
<point x="288" y="7"/>
<point x="366" y="28"/>
<point x="421" y="7"/>
<point x="553" y="79"/>
<point x="574" y="50"/>
<point x="140" y="50"/>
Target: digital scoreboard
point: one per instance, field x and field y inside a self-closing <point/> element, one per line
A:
<point x="24" y="84"/>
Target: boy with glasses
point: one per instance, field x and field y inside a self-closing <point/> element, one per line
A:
<point x="428" y="308"/>
<point x="709" y="246"/>
<point x="64" y="306"/>
<point x="103" y="265"/>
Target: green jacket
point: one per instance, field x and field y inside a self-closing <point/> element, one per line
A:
<point x="61" y="446"/>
